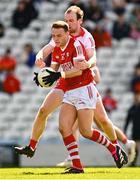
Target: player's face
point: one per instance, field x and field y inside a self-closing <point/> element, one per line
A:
<point x="60" y="37"/>
<point x="73" y="22"/>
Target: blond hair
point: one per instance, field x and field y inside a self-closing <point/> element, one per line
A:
<point x="79" y="12"/>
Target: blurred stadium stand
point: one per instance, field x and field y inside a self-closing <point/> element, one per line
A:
<point x="17" y="112"/>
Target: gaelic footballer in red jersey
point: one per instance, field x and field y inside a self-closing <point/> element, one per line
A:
<point x="65" y="57"/>
<point x="79" y="99"/>
<point x="85" y="39"/>
<point x="66" y="51"/>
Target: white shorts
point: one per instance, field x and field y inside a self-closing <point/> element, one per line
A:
<point x="84" y="97"/>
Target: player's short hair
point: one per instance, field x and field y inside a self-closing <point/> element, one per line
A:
<point x="79" y="12"/>
<point x="61" y="24"/>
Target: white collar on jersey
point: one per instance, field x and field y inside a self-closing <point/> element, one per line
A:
<point x="66" y="44"/>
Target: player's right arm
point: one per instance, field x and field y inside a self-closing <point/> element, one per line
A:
<point x="43" y="54"/>
<point x="71" y="73"/>
<point x="66" y="74"/>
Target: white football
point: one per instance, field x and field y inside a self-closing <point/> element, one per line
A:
<point x="43" y="73"/>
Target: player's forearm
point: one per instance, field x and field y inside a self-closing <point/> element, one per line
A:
<point x="86" y="64"/>
<point x="44" y="52"/>
<point x="71" y="73"/>
<point x="47" y="50"/>
<point x="97" y="76"/>
<point x="92" y="61"/>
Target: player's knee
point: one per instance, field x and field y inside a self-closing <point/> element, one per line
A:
<point x="85" y="133"/>
<point x="65" y="131"/>
<point x="42" y="112"/>
<point x="62" y="130"/>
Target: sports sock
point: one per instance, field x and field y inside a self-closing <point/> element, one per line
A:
<point x="115" y="141"/>
<point x="101" y="139"/>
<point x="73" y="151"/>
<point x="33" y="144"/>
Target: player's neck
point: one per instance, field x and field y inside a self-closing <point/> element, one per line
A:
<point x="76" y="33"/>
<point x="63" y="47"/>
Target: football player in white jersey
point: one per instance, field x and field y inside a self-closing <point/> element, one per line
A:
<point x="74" y="17"/>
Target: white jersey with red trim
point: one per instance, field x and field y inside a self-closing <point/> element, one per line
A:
<point x="85" y="38"/>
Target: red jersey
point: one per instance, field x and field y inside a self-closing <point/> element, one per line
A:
<point x="60" y="84"/>
<point x="65" y="56"/>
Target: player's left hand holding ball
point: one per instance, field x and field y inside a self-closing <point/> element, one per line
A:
<point x="51" y="78"/>
<point x="46" y="77"/>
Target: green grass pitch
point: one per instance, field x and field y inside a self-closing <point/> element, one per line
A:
<point x="55" y="173"/>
